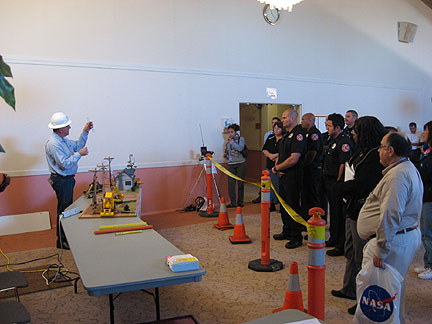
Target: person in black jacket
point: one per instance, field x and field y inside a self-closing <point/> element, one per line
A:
<point x="366" y="171"/>
<point x="425" y="169"/>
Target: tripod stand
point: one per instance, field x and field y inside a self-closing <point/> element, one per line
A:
<point x="198" y="179"/>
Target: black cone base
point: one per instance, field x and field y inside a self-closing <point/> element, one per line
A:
<point x="274" y="265"/>
<point x="205" y="214"/>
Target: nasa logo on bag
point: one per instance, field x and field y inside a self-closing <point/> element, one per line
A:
<point x="377" y="304"/>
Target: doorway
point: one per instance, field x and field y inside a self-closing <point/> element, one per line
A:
<point x="255" y="121"/>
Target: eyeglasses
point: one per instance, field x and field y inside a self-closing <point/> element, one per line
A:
<point x="381" y="146"/>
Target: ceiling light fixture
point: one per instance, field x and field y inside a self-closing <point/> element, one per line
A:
<point x="281" y="4"/>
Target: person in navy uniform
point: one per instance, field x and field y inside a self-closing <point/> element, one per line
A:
<point x="312" y="164"/>
<point x="339" y="151"/>
<point x="289" y="167"/>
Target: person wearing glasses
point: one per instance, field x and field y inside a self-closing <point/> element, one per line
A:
<point x="367" y="172"/>
<point x="389" y="218"/>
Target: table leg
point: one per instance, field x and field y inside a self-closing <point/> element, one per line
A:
<point x="157" y="304"/>
<point x="111" y="303"/>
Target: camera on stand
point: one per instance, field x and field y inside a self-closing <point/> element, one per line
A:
<point x="204" y="152"/>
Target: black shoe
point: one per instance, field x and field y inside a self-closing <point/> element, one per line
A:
<point x="293" y="244"/>
<point x="340" y="294"/>
<point x="281" y="236"/>
<point x="352" y="309"/>
<point x="335" y="252"/>
<point x="330" y="243"/>
<point x="231" y="206"/>
<point x="257" y="200"/>
<point x="64" y="245"/>
<point x="240" y="204"/>
<point x="272" y="207"/>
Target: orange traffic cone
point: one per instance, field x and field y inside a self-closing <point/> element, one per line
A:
<point x="223" y="220"/>
<point x="293" y="295"/>
<point x="239" y="230"/>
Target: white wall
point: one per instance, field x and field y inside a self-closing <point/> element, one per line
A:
<point x="149" y="72"/>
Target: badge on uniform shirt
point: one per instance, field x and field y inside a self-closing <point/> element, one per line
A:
<point x="291" y="135"/>
<point x="314" y="137"/>
<point x="299" y="137"/>
<point x="346" y="148"/>
<point x="333" y="146"/>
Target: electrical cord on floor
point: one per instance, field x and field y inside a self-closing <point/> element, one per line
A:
<point x="25" y="262"/>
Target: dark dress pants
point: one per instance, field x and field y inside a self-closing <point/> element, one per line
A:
<point x="63" y="187"/>
<point x="310" y="190"/>
<point x="337" y="217"/>
<point x="239" y="169"/>
<point x="290" y="186"/>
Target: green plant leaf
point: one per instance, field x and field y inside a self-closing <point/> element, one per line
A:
<point x="2" y="149"/>
<point x="5" y="69"/>
<point x="7" y="92"/>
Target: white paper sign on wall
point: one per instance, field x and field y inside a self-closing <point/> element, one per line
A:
<point x="271" y="93"/>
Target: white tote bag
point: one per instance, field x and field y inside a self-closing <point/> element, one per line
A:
<point x="378" y="295"/>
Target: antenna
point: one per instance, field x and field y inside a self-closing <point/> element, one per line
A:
<point x="202" y="138"/>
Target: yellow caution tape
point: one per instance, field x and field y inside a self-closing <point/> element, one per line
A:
<point x="295" y="216"/>
<point x="289" y="210"/>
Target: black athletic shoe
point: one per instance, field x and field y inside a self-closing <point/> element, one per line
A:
<point x="231" y="206"/>
<point x="281" y="236"/>
<point x="240" y="204"/>
<point x="257" y="200"/>
<point x="352" y="309"/>
<point x="340" y="294"/>
<point x="272" y="207"/>
<point x="335" y="252"/>
<point x="293" y="244"/>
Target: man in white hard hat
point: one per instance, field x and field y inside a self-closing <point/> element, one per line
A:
<point x="62" y="156"/>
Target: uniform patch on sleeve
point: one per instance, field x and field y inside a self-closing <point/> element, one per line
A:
<point x="299" y="137"/>
<point x="346" y="148"/>
<point x="314" y="137"/>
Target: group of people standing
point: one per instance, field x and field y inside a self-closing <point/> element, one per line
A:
<point x="379" y="201"/>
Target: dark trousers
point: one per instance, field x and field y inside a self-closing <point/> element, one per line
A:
<point x="63" y="187"/>
<point x="310" y="189"/>
<point x="239" y="169"/>
<point x="289" y="189"/>
<point x="337" y="217"/>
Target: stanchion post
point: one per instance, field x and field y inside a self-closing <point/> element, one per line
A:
<point x="265" y="264"/>
<point x="316" y="266"/>
<point x="209" y="181"/>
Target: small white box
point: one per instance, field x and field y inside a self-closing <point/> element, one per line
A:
<point x="184" y="262"/>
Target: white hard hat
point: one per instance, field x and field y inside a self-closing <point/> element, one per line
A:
<point x="59" y="120"/>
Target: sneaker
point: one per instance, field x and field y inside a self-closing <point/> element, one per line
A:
<point x="257" y="200"/>
<point x="231" y="206"/>
<point x="426" y="275"/>
<point x="419" y="269"/>
<point x="293" y="244"/>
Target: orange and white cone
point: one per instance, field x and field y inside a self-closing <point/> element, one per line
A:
<point x="223" y="220"/>
<point x="239" y="230"/>
<point x="293" y="295"/>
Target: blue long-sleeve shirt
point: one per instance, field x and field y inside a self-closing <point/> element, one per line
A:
<point x="62" y="154"/>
